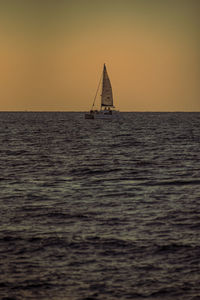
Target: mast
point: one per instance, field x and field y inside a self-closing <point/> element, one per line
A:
<point x="97" y="91"/>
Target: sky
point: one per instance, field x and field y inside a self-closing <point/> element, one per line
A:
<point x="52" y="54"/>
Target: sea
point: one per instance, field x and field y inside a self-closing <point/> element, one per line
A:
<point x="99" y="209"/>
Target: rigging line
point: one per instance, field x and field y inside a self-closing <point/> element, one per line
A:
<point x="97" y="90"/>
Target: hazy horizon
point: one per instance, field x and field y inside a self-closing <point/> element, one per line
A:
<point x="52" y="54"/>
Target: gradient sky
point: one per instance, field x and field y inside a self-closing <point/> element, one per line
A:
<point x="52" y="54"/>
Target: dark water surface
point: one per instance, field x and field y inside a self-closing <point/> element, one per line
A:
<point x="99" y="209"/>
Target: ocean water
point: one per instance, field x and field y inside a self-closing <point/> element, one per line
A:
<point x="99" y="209"/>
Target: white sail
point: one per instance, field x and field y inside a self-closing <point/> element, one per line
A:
<point x="106" y="111"/>
<point x="106" y="96"/>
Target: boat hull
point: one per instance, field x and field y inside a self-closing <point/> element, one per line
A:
<point x="102" y="115"/>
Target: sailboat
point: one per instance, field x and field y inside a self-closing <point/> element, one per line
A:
<point x="107" y="110"/>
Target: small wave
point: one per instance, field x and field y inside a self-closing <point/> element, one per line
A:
<point x="174" y="247"/>
<point x="90" y="171"/>
<point x="174" y="182"/>
<point x="64" y="216"/>
<point x="9" y="298"/>
<point x="9" y="238"/>
<point x="165" y="292"/>
<point x="32" y="284"/>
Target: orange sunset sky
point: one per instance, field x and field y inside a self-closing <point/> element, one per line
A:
<point x="52" y="54"/>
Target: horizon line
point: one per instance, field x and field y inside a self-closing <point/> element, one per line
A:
<point x="83" y="111"/>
